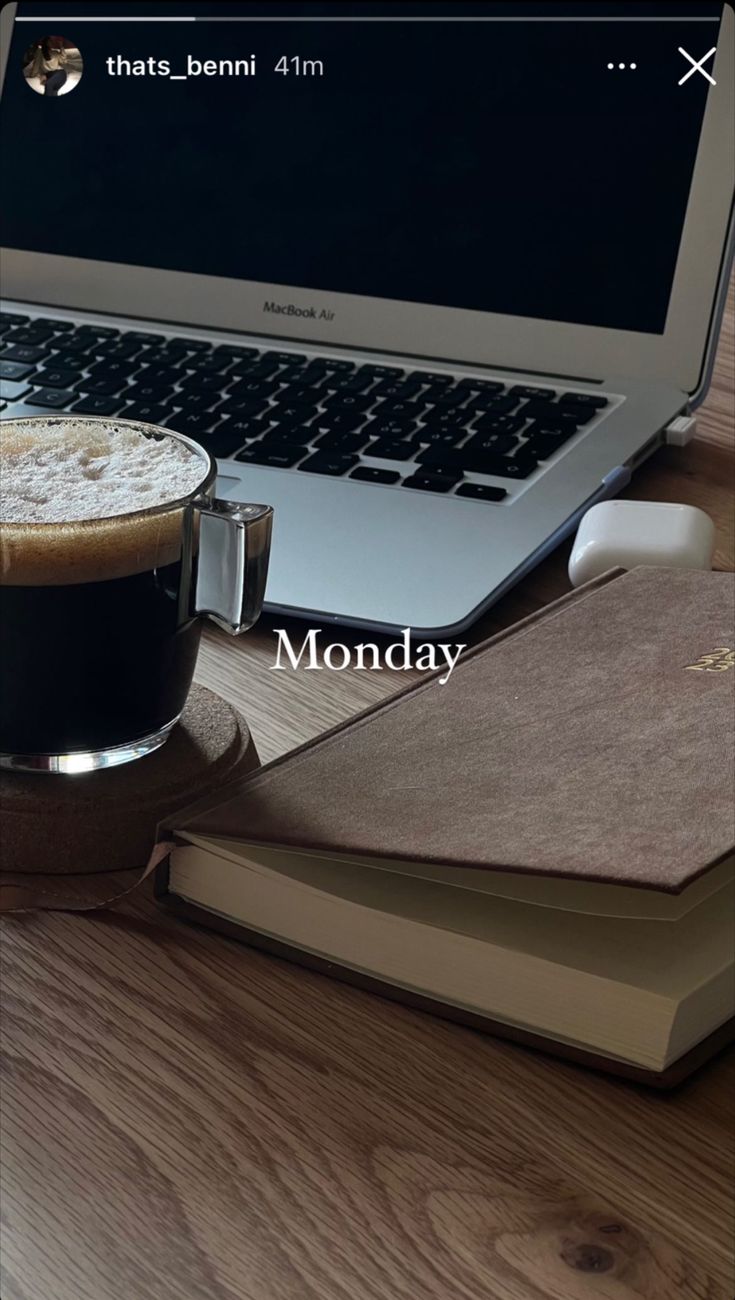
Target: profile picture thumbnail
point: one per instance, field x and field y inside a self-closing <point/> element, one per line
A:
<point x="52" y="66"/>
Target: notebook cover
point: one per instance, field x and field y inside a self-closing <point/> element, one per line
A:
<point x="675" y="1074"/>
<point x="591" y="741"/>
<point x="192" y="814"/>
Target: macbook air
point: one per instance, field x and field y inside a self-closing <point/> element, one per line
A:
<point x="430" y="280"/>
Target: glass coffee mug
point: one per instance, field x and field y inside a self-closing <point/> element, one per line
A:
<point x="100" y="616"/>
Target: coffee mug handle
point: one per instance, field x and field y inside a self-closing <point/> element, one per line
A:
<point x="233" y="552"/>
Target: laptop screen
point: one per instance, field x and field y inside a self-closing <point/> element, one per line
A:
<point x="537" y="165"/>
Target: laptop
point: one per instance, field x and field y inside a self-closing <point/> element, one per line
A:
<point x="429" y="279"/>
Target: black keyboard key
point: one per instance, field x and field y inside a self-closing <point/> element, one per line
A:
<point x="197" y="383"/>
<point x="554" y="430"/>
<point x="396" y="406"/>
<point x="286" y="358"/>
<point x="245" y="427"/>
<point x="243" y="408"/>
<point x="57" y="399"/>
<point x="102" y="387"/>
<point x="331" y="463"/>
<point x="224" y="441"/>
<point x="448" y="472"/>
<point x="368" y="474"/>
<point x="13" y="390"/>
<point x="516" y="467"/>
<point x="251" y="388"/>
<point x="544" y="446"/>
<point x="553" y="424"/>
<point x="341" y="442"/>
<point x="390" y="449"/>
<point x="298" y="388"/>
<point x="300" y="392"/>
<point x="196" y="403"/>
<point x="93" y="405"/>
<point x="59" y="326"/>
<point x="390" y="426"/>
<point x="163" y="376"/>
<point x="14" y="370"/>
<point x="141" y="392"/>
<point x="489" y="404"/>
<point x="348" y="402"/>
<point x="497" y="424"/>
<point x="479" y="462"/>
<point x="342" y="421"/>
<point x="430" y="482"/>
<point x="547" y="411"/>
<point x="314" y="373"/>
<point x="207" y="363"/>
<point x="111" y="369"/>
<point x="335" y="382"/>
<point x="115" y="351"/>
<point x="502" y="443"/>
<point x="292" y="416"/>
<point x="580" y="414"/>
<point x="97" y="331"/>
<point x="481" y="492"/>
<point x="446" y="399"/>
<point x="192" y="345"/>
<point x="533" y="394"/>
<point x="236" y="351"/>
<point x="141" y="336"/>
<point x="336" y="363"/>
<point x="585" y="399"/>
<point x="30" y="335"/>
<point x="254" y="369"/>
<point x="193" y="423"/>
<point x="147" y="412"/>
<point x="67" y="360"/>
<point x="280" y="457"/>
<point x="400" y="389"/>
<point x="293" y="434"/>
<point x="289" y="375"/>
<point x="382" y="372"/>
<point x="12" y="318"/>
<point x="292" y="412"/>
<point x="436" y="378"/>
<point x="430" y="434"/>
<point x="438" y="418"/>
<point x="19" y="352"/>
<point x="164" y="356"/>
<point x="55" y="377"/>
<point x="250" y="369"/>
<point x="489" y="386"/>
<point x="73" y="351"/>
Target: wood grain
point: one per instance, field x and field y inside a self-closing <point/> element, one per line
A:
<point x="185" y="1119"/>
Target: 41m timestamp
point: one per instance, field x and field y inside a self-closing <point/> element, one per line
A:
<point x="295" y="65"/>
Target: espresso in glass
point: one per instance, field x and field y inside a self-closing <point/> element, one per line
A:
<point x="100" y="525"/>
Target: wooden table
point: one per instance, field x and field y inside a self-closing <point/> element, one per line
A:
<point x="185" y="1119"/>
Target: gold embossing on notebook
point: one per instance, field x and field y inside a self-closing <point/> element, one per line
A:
<point x="717" y="661"/>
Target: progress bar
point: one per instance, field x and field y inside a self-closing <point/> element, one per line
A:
<point x="367" y="18"/>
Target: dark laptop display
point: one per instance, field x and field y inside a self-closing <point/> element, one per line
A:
<point x="414" y="161"/>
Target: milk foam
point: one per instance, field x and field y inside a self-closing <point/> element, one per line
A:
<point x="61" y="471"/>
<point x="68" y="492"/>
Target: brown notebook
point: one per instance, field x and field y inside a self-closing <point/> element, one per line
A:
<point x="543" y="846"/>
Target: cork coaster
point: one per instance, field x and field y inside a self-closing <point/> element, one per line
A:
<point x="102" y="822"/>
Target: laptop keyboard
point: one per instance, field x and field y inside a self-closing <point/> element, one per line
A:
<point x="423" y="430"/>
